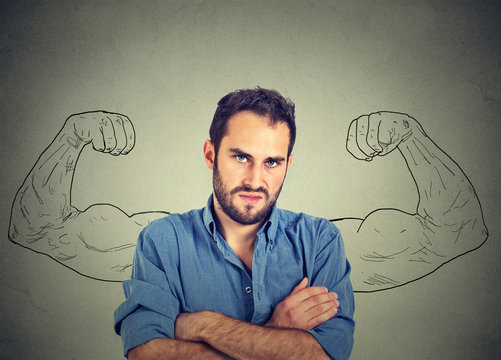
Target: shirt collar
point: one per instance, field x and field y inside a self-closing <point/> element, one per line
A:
<point x="209" y="222"/>
<point x="269" y="227"/>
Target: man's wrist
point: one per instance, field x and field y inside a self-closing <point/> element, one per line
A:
<point x="206" y="322"/>
<point x="194" y="326"/>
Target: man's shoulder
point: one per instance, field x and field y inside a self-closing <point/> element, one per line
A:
<point x="290" y="218"/>
<point x="164" y="238"/>
<point x="308" y="230"/>
<point x="307" y="227"/>
<point x="175" y="222"/>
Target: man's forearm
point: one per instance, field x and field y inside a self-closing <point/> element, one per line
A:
<point x="166" y="349"/>
<point x="242" y="340"/>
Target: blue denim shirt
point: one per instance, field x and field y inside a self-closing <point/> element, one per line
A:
<point x="182" y="264"/>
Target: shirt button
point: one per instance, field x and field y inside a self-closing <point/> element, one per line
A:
<point x="248" y="289"/>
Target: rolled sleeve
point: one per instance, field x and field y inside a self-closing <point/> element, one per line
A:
<point x="333" y="271"/>
<point x="150" y="309"/>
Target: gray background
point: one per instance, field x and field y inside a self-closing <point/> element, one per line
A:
<point x="165" y="64"/>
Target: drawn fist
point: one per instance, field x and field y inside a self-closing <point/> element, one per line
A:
<point x="378" y="133"/>
<point x="108" y="132"/>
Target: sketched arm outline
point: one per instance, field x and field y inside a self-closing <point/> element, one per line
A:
<point x="389" y="247"/>
<point x="98" y="242"/>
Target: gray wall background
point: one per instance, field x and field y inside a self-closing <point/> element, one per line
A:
<point x="166" y="63"/>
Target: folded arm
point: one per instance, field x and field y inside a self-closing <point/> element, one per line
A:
<point x="207" y="335"/>
<point x="243" y="340"/>
<point x="167" y="349"/>
<point x="311" y="321"/>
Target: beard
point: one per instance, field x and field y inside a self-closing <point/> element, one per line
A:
<point x="246" y="216"/>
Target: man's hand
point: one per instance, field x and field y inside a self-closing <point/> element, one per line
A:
<point x="379" y="133"/>
<point x="304" y="308"/>
<point x="108" y="132"/>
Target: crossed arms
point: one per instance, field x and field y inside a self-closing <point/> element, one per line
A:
<point x="210" y="335"/>
<point x="164" y="287"/>
<point x="206" y="334"/>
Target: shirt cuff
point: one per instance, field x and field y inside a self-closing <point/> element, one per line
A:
<point x="338" y="340"/>
<point x="144" y="325"/>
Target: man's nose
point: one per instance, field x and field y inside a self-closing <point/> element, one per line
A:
<point x="254" y="177"/>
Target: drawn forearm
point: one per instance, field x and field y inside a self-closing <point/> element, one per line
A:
<point x="447" y="200"/>
<point x="44" y="199"/>
<point x="444" y="191"/>
<point x="392" y="247"/>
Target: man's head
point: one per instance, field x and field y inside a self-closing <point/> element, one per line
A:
<point x="250" y="151"/>
<point x="264" y="102"/>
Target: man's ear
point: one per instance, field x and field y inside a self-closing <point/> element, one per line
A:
<point x="209" y="154"/>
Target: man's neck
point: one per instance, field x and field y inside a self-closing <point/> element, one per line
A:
<point x="233" y="232"/>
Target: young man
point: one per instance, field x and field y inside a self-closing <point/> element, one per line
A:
<point x="230" y="280"/>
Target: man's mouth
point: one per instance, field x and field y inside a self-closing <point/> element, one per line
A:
<point x="250" y="198"/>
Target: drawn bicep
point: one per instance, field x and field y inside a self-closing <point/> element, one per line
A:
<point x="392" y="248"/>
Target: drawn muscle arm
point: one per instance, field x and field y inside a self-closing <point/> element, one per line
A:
<point x="390" y="247"/>
<point x="98" y="242"/>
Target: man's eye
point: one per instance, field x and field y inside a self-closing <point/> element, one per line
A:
<point x="271" y="163"/>
<point x="240" y="158"/>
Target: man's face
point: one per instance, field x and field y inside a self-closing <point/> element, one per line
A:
<point x="250" y="167"/>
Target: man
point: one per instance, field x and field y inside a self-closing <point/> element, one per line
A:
<point x="230" y="280"/>
<point x="387" y="248"/>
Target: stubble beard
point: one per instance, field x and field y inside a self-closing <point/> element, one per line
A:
<point x="246" y="216"/>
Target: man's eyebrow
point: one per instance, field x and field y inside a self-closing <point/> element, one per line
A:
<point x="277" y="159"/>
<point x="240" y="152"/>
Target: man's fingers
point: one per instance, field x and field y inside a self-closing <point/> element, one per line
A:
<point x="320" y="299"/>
<point x="318" y="309"/>
<point x="327" y="312"/>
<point x="323" y="307"/>
<point x="300" y="286"/>
<point x="309" y="292"/>
<point x="305" y="307"/>
<point x="352" y="145"/>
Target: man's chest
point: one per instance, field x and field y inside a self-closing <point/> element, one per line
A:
<point x="220" y="281"/>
